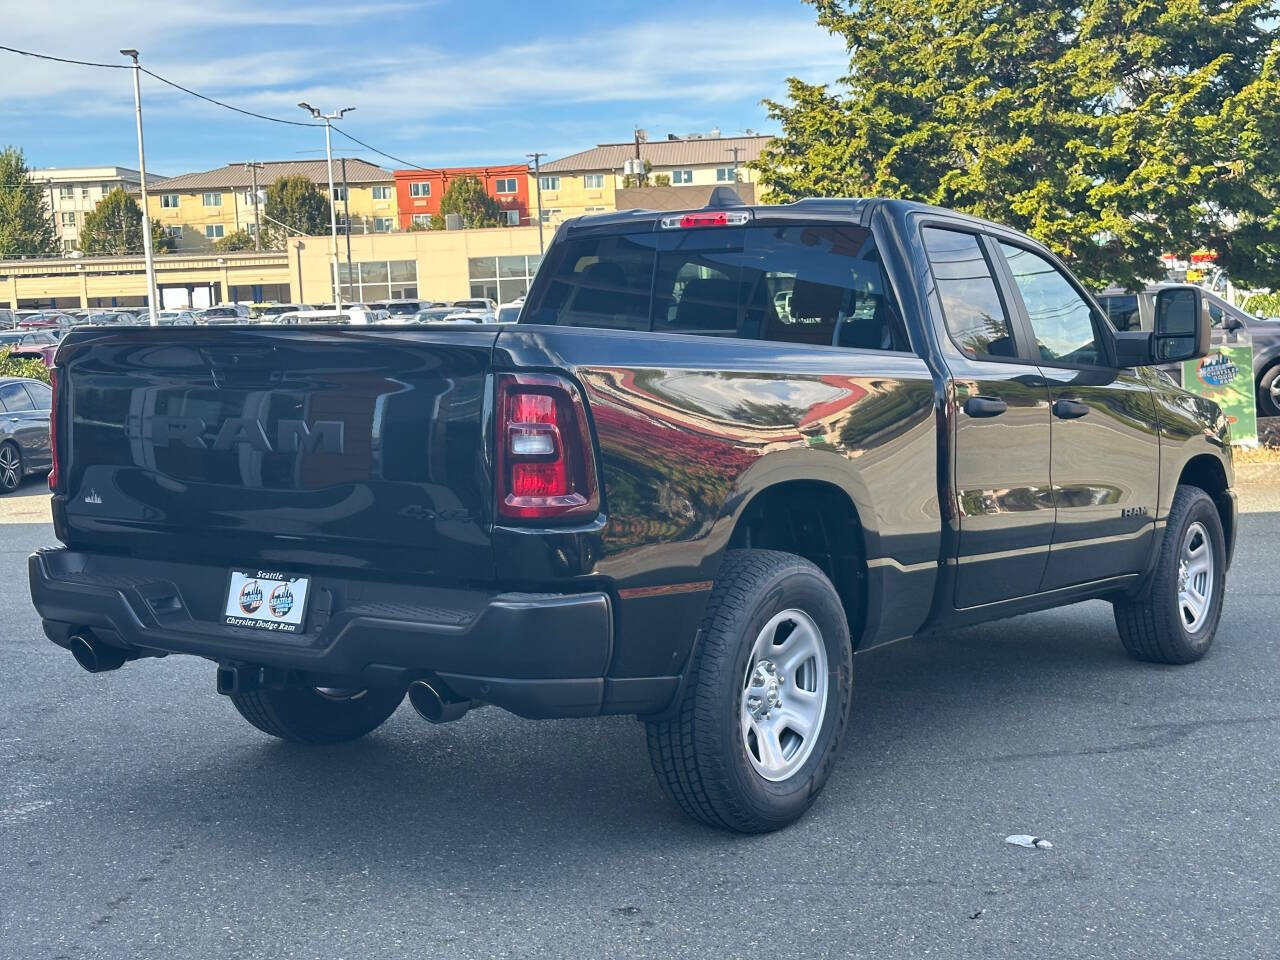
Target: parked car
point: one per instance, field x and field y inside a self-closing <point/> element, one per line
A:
<point x="654" y="495"/>
<point x="433" y="314"/>
<point x="8" y="319"/>
<point x="397" y="308"/>
<point x="509" y="312"/>
<point x="1135" y="311"/>
<point x="267" y="311"/>
<point x="224" y="314"/>
<point x="470" y="316"/>
<point x="177" y="318"/>
<point x="113" y="318"/>
<point x="24" y="430"/>
<point x="24" y="339"/>
<point x="47" y="321"/>
<point x="44" y="352"/>
<point x="481" y="305"/>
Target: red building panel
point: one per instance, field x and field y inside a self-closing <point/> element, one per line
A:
<point x="419" y="191"/>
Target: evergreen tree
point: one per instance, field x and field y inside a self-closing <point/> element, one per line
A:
<point x="25" y="228"/>
<point x="1112" y="130"/>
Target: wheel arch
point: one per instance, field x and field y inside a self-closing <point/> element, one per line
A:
<point x="1207" y="472"/>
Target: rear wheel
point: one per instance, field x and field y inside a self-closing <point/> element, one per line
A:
<point x="10" y="467"/>
<point x="1175" y="620"/>
<point x="317" y="714"/>
<point x="760" y="719"/>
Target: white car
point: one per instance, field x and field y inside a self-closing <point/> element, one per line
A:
<point x="469" y="316"/>
<point x="510" y="312"/>
<point x="475" y="305"/>
<point x="355" y="316"/>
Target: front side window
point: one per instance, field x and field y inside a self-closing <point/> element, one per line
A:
<point x="593" y="181"/>
<point x="14" y="398"/>
<point x="1061" y="319"/>
<point x="211" y="199"/>
<point x="971" y="306"/>
<point x="420" y="188"/>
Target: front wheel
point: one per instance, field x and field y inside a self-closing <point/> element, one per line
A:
<point x="317" y="714"/>
<point x="1175" y="619"/>
<point x="759" y="722"/>
<point x="1269" y="393"/>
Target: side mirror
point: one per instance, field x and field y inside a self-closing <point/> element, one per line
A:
<point x="1182" y="327"/>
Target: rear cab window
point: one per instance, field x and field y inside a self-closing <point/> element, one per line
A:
<point x="814" y="284"/>
<point x="971" y="306"/>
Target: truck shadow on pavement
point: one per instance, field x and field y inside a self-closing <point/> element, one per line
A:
<point x="493" y="787"/>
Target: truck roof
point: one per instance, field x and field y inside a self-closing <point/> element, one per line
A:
<point x="856" y="210"/>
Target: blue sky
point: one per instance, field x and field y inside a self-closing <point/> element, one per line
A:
<point x="437" y="83"/>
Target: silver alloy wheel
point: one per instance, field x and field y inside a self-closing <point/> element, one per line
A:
<point x="1195" y="577"/>
<point x="784" y="695"/>
<point x="10" y="468"/>
<point x="1274" y="390"/>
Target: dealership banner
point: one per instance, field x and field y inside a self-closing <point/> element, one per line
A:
<point x="1226" y="377"/>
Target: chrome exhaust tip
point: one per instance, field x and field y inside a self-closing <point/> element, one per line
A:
<point x="433" y="705"/>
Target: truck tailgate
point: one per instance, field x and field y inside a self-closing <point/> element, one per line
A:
<point x="300" y="447"/>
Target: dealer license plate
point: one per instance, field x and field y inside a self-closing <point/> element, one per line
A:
<point x="267" y="600"/>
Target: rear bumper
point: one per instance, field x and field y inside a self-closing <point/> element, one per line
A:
<point x="538" y="655"/>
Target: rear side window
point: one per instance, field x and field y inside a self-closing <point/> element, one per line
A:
<point x="822" y="285"/>
<point x="971" y="306"/>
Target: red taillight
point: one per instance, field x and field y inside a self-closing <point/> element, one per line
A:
<point x="544" y="464"/>
<point x="53" y="428"/>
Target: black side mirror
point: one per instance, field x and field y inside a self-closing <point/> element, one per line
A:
<point x="1182" y="326"/>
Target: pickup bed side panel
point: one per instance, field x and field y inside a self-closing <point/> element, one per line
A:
<point x="689" y="429"/>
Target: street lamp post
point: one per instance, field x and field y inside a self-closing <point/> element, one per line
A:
<point x="537" y="178"/>
<point x="328" y="119"/>
<point x="142" y="185"/>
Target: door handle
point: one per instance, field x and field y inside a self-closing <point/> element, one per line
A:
<point x="1069" y="409"/>
<point x="985" y="406"/>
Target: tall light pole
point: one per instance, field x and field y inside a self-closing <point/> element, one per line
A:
<point x="254" y="167"/>
<point x="537" y="179"/>
<point x="328" y="119"/>
<point x="142" y="184"/>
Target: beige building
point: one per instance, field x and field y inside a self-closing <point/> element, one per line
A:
<point x="199" y="209"/>
<point x="73" y="192"/>
<point x="589" y="182"/>
<point x="439" y="264"/>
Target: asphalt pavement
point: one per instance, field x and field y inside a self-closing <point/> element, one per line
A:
<point x="140" y="817"/>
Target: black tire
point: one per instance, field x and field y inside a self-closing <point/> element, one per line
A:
<point x="1269" y="392"/>
<point x="11" y="476"/>
<point x="305" y="715"/>
<point x="698" y="750"/>
<point x="1152" y="626"/>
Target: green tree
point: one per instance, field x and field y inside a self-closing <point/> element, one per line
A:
<point x="300" y="204"/>
<point x="1112" y="130"/>
<point x="114" y="227"/>
<point x="25" y="228"/>
<point x="467" y="197"/>
<point x="16" y="367"/>
<point x="239" y="240"/>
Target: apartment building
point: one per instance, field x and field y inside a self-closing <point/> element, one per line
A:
<point x="589" y="182"/>
<point x="198" y="209"/>
<point x="73" y="192"/>
<point x="419" y="192"/>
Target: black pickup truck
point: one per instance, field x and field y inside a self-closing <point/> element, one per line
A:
<point x="721" y="451"/>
